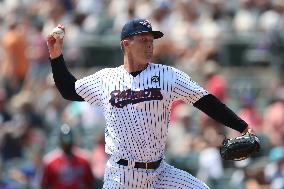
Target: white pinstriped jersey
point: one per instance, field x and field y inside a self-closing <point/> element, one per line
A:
<point x="137" y="108"/>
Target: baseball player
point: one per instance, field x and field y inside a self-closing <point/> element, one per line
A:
<point x="68" y="166"/>
<point x="136" y="98"/>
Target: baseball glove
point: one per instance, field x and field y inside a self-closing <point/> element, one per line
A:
<point x="240" y="148"/>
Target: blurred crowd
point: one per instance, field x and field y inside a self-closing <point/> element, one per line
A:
<point x="32" y="111"/>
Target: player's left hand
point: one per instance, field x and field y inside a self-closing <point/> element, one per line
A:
<point x="241" y="147"/>
<point x="248" y="130"/>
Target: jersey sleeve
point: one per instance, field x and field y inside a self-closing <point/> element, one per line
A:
<point x="186" y="89"/>
<point x="89" y="88"/>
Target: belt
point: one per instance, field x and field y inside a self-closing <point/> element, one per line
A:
<point x="142" y="165"/>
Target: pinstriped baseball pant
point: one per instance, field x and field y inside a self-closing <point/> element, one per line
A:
<point x="165" y="177"/>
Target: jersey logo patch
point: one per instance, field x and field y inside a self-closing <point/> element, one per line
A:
<point x="155" y="79"/>
<point x="120" y="99"/>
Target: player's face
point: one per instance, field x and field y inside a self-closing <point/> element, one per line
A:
<point x="141" y="47"/>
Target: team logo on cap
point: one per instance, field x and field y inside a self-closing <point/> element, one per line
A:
<point x="146" y="23"/>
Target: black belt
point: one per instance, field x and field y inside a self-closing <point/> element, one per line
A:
<point x="149" y="165"/>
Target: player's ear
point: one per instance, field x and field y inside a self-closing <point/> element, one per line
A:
<point x="125" y="43"/>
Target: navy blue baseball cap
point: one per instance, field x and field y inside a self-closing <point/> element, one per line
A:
<point x="137" y="26"/>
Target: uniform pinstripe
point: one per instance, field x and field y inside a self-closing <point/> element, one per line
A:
<point x="137" y="114"/>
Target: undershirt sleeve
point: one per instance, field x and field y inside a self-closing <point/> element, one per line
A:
<point x="218" y="111"/>
<point x="64" y="80"/>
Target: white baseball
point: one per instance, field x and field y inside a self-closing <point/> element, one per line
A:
<point x="58" y="32"/>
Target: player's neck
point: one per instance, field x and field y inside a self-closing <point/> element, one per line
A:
<point x="133" y="66"/>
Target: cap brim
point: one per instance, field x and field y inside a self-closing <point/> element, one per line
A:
<point x="156" y="34"/>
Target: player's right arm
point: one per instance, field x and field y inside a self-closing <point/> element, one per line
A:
<point x="64" y="80"/>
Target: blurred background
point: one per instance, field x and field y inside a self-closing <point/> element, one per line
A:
<point x="234" y="48"/>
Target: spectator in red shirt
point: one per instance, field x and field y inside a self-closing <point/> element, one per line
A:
<point x="217" y="86"/>
<point x="273" y="125"/>
<point x="250" y="113"/>
<point x="215" y="83"/>
<point x="68" y="167"/>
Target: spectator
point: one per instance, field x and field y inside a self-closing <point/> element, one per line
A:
<point x="24" y="129"/>
<point x="274" y="120"/>
<point x="67" y="167"/>
<point x="39" y="58"/>
<point x="99" y="159"/>
<point x="275" y="40"/>
<point x="4" y="112"/>
<point x="250" y="114"/>
<point x="210" y="162"/>
<point x="238" y="177"/>
<point x="15" y="65"/>
<point x="29" y="172"/>
<point x="245" y="19"/>
<point x="175" y="110"/>
<point x="181" y="131"/>
<point x="216" y="85"/>
<point x="275" y="169"/>
<point x="11" y="144"/>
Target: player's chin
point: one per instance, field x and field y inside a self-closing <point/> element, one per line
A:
<point x="148" y="60"/>
<point x="148" y="56"/>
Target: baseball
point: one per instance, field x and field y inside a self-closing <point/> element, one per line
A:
<point x="58" y="32"/>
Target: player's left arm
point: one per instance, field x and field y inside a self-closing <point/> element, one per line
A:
<point x="218" y="111"/>
<point x="191" y="92"/>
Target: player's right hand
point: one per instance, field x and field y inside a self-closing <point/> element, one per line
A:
<point x="54" y="45"/>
